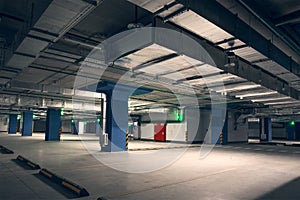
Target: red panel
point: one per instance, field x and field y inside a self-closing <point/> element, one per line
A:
<point x="159" y="132"/>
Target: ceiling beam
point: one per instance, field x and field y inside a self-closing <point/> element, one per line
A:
<point x="290" y="18"/>
<point x="244" y="69"/>
<point x="220" y="16"/>
<point x="19" y="57"/>
<point x="11" y="17"/>
<point x="252" y="8"/>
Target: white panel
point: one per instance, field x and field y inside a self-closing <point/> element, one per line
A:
<point x="200" y="26"/>
<point x="80" y="127"/>
<point x="176" y="132"/>
<point x="249" y="54"/>
<point x="147" y="131"/>
<point x="149" y="53"/>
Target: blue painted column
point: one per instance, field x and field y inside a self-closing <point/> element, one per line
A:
<point x="297" y="131"/>
<point x="27" y="123"/>
<point x="53" y="125"/>
<point x="291" y="129"/>
<point x="265" y="129"/>
<point x="218" y="130"/>
<point x="12" y="124"/>
<point x="116" y="122"/>
<point x="116" y="119"/>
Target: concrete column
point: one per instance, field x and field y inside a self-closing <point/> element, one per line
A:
<point x="116" y="123"/>
<point x="74" y="128"/>
<point x="218" y="129"/>
<point x="265" y="129"/>
<point x="27" y="123"/>
<point x="53" y="125"/>
<point x="223" y="138"/>
<point x="139" y="129"/>
<point x="98" y="128"/>
<point x="116" y="119"/>
<point x="12" y="124"/>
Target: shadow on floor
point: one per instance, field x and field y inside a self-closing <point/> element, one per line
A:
<point x="67" y="193"/>
<point x="23" y="165"/>
<point x="4" y="150"/>
<point x="288" y="191"/>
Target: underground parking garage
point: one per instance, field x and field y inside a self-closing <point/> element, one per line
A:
<point x="161" y="99"/>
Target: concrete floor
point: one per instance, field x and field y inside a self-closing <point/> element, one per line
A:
<point x="238" y="171"/>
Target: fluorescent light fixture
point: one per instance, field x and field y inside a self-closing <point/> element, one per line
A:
<point x="281" y="102"/>
<point x="210" y="80"/>
<point x="241" y="87"/>
<point x="200" y="26"/>
<point x="144" y="55"/>
<point x="256" y="94"/>
<point x="253" y="120"/>
<point x="270" y="99"/>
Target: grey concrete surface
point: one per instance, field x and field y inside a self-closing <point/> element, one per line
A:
<point x="231" y="172"/>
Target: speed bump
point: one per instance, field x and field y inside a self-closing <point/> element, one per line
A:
<point x="32" y="165"/>
<point x="6" y="150"/>
<point x="78" y="190"/>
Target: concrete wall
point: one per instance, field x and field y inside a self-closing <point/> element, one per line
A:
<point x="253" y="130"/>
<point x="176" y="131"/>
<point x="147" y="131"/>
<point x="3" y="123"/>
<point x="90" y="127"/>
<point x="279" y="130"/>
<point x="237" y="129"/>
<point x="66" y="126"/>
<point x="197" y="124"/>
<point x="39" y="126"/>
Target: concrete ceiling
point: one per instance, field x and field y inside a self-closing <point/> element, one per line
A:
<point x="256" y="51"/>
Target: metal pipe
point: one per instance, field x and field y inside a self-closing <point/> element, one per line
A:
<point x="103" y="121"/>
